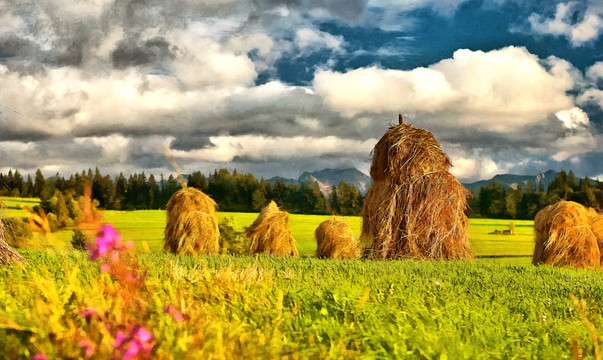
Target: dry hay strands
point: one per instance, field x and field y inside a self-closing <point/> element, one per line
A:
<point x="423" y="219"/>
<point x="270" y="233"/>
<point x="405" y="152"/>
<point x="192" y="223"/>
<point x="596" y="226"/>
<point x="415" y="208"/>
<point x="334" y="239"/>
<point x="563" y="236"/>
<point x="7" y="254"/>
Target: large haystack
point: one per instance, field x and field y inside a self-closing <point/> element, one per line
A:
<point x="192" y="223"/>
<point x="596" y="226"/>
<point x="334" y="239"/>
<point x="270" y="233"/>
<point x="415" y="208"/>
<point x="564" y="236"/>
<point x="7" y="254"/>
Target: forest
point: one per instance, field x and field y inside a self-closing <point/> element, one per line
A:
<point x="234" y="191"/>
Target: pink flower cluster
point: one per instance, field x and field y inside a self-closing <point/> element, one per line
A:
<point x="139" y="342"/>
<point x="116" y="259"/>
<point x="108" y="241"/>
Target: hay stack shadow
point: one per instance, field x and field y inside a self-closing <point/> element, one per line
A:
<point x="334" y="239"/>
<point x="568" y="234"/>
<point x="415" y="207"/>
<point x="192" y="223"/>
<point x="270" y="233"/>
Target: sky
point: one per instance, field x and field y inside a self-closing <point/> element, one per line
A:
<point x="281" y="87"/>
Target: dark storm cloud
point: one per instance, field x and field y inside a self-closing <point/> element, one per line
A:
<point x="73" y="54"/>
<point x="148" y="160"/>
<point x="535" y="135"/>
<point x="129" y="53"/>
<point x="59" y="148"/>
<point x="188" y="142"/>
<point x="8" y="133"/>
<point x="14" y="46"/>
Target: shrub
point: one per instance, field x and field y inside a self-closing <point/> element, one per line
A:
<point x="78" y="240"/>
<point x="232" y="240"/>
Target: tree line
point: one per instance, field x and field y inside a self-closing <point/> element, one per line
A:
<point x="234" y="191"/>
<point x="524" y="201"/>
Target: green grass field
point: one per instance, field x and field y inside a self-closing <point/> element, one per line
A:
<point x="304" y="308"/>
<point x="148" y="226"/>
<point x="496" y="307"/>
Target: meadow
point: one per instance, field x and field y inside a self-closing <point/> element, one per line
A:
<point x="145" y="228"/>
<point x="228" y="307"/>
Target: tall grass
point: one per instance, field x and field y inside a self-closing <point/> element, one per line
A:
<point x="261" y="306"/>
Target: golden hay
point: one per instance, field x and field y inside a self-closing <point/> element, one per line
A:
<point x="7" y="254"/>
<point x="415" y="208"/>
<point x="192" y="223"/>
<point x="596" y="226"/>
<point x="334" y="239"/>
<point x="270" y="233"/>
<point x="563" y="236"/>
<point x="405" y="152"/>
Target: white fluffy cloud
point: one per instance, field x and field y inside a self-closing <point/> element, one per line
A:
<point x="495" y="90"/>
<point x="264" y="148"/>
<point x="595" y="72"/>
<point x="593" y="94"/>
<point x="509" y="96"/>
<point x="312" y="40"/>
<point x="578" y="33"/>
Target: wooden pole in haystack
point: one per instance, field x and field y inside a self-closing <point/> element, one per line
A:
<point x="335" y="240"/>
<point x="270" y="233"/>
<point x="415" y="208"/>
<point x="7" y="254"/>
<point x="192" y="223"/>
<point x="568" y="234"/>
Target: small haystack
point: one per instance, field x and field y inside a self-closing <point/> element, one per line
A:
<point x="415" y="208"/>
<point x="270" y="233"/>
<point x="564" y="236"/>
<point x="334" y="239"/>
<point x="192" y="223"/>
<point x="7" y="254"/>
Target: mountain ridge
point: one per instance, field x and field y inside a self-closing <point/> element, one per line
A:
<point x="328" y="177"/>
<point x="511" y="181"/>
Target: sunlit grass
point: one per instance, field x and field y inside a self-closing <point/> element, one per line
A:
<point x="148" y="226"/>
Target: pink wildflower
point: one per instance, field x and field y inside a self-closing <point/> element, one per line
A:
<point x="88" y="347"/>
<point x="139" y="340"/>
<point x="178" y="316"/>
<point x="107" y="239"/>
<point x="88" y="313"/>
<point x="40" y="357"/>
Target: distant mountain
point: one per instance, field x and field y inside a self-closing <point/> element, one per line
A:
<point x="285" y="180"/>
<point x="510" y="181"/>
<point x="329" y="177"/>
